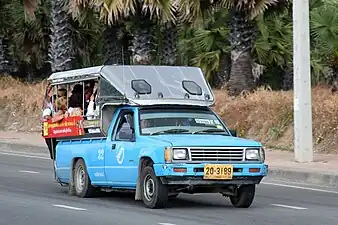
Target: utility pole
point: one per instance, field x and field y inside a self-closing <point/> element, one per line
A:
<point x="302" y="82"/>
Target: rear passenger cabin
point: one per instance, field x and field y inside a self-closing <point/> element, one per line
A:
<point x="83" y="101"/>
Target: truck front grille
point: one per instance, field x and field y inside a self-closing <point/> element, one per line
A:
<point x="216" y="154"/>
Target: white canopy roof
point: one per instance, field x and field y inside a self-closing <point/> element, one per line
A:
<point x="148" y="84"/>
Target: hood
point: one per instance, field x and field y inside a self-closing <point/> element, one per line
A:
<point x="195" y="140"/>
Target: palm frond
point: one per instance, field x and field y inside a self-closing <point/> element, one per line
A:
<point x="208" y="62"/>
<point x="274" y="44"/>
<point x="113" y="11"/>
<point x="162" y="10"/>
<point x="29" y="8"/>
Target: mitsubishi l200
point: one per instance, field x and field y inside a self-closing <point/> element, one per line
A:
<point x="146" y="129"/>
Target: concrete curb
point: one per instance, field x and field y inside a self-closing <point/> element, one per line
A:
<point x="314" y="178"/>
<point x="13" y="147"/>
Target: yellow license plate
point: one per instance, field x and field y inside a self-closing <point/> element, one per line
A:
<point x="218" y="172"/>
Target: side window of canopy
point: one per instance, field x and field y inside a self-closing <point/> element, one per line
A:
<point x="107" y="91"/>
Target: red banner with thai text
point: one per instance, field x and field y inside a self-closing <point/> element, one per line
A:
<point x="67" y="127"/>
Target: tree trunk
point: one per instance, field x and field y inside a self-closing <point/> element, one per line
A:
<point x="169" y="48"/>
<point x="334" y="78"/>
<point x="223" y="75"/>
<point x="4" y="63"/>
<point x="288" y="79"/>
<point x="241" y="38"/>
<point x="143" y="42"/>
<point x="126" y="48"/>
<point x="60" y="50"/>
<point x="113" y="46"/>
<point x="241" y="78"/>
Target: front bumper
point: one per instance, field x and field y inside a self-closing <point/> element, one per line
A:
<point x="242" y="174"/>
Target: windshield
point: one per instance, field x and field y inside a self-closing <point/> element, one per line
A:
<point x="180" y="121"/>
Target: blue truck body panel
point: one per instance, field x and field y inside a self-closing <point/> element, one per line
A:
<point x="115" y="164"/>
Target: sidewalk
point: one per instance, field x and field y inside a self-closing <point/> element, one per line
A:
<point x="21" y="138"/>
<point x="323" y="171"/>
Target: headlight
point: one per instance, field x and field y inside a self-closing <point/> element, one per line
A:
<point x="175" y="154"/>
<point x="180" y="154"/>
<point x="262" y="153"/>
<point x="255" y="154"/>
<point x="252" y="154"/>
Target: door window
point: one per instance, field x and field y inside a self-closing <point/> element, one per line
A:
<point x="125" y="130"/>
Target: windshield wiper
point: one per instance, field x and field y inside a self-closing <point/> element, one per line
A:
<point x="211" y="130"/>
<point x="171" y="131"/>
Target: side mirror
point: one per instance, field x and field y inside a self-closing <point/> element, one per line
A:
<point x="233" y="133"/>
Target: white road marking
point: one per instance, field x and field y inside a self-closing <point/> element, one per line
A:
<point x="166" y="224"/>
<point x="300" y="187"/>
<point x="23" y="152"/>
<point x="28" y="171"/>
<point x="24" y="155"/>
<point x="70" y="207"/>
<point x="288" y="206"/>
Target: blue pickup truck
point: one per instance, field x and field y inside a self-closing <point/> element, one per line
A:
<point x="157" y="137"/>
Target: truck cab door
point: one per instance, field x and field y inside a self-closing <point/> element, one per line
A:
<point x="120" y="161"/>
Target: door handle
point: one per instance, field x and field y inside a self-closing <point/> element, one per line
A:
<point x="113" y="146"/>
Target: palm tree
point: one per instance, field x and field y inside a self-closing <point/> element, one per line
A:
<point x="273" y="47"/>
<point x="60" y="51"/>
<point x="242" y="34"/>
<point x="211" y="48"/>
<point x="143" y="40"/>
<point x="21" y="36"/>
<point x="168" y="53"/>
<point x="146" y="15"/>
<point x="112" y="45"/>
<point x="3" y="33"/>
<point x="112" y="13"/>
<point x="60" y="48"/>
<point x="324" y="32"/>
<point x="140" y="18"/>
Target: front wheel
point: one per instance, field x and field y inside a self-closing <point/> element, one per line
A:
<point x="83" y="187"/>
<point x="245" y="196"/>
<point x="154" y="193"/>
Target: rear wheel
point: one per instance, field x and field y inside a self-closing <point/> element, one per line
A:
<point x="245" y="196"/>
<point x="154" y="193"/>
<point x="83" y="187"/>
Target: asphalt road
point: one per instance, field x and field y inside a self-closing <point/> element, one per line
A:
<point x="30" y="196"/>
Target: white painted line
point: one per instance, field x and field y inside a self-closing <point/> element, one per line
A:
<point x="24" y="155"/>
<point x="166" y="224"/>
<point x="70" y="207"/>
<point x="300" y="187"/>
<point x="28" y="171"/>
<point x="288" y="206"/>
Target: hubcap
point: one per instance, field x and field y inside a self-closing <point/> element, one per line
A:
<point x="148" y="187"/>
<point x="80" y="179"/>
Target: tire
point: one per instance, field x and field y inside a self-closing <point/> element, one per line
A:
<point x="154" y="193"/>
<point x="83" y="187"/>
<point x="245" y="196"/>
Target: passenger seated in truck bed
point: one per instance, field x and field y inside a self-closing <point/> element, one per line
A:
<point x="76" y="101"/>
